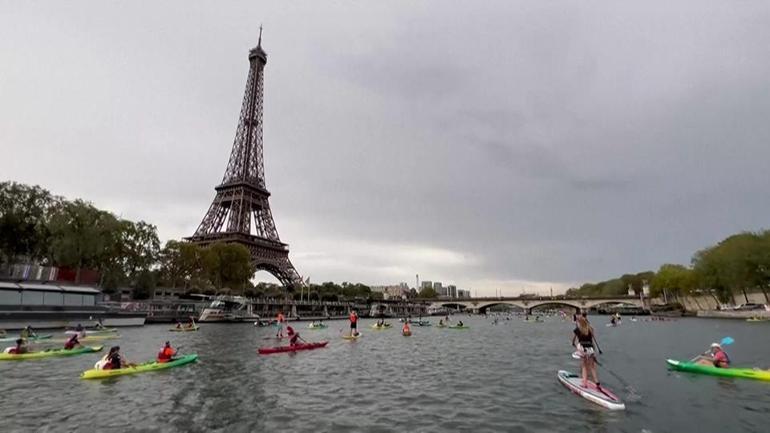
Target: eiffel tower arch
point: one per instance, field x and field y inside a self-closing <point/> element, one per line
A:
<point x="240" y="212"/>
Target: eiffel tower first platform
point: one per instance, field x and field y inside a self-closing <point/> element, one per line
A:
<point x="240" y="212"/>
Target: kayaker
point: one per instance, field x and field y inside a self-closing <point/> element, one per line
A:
<point x="27" y="333"/>
<point x="353" y="323"/>
<point x="178" y="324"/>
<point x="717" y="357"/>
<point x="72" y="342"/>
<point x="280" y="319"/>
<point x="440" y="322"/>
<point x="99" y="324"/>
<point x="380" y="323"/>
<point x="406" y="329"/>
<point x="113" y="360"/>
<point x="80" y="330"/>
<point x="166" y="353"/>
<point x="583" y="339"/>
<point x="21" y="347"/>
<point x="2" y="333"/>
<point x="460" y="324"/>
<point x="293" y="336"/>
<point x="191" y="323"/>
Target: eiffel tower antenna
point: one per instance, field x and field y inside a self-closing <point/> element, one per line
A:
<point x="240" y="212"/>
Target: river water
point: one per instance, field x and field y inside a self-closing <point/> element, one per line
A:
<point x="491" y="378"/>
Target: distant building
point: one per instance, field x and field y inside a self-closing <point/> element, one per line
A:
<point x="463" y="294"/>
<point x="426" y="285"/>
<point x="437" y="286"/>
<point x="451" y="291"/>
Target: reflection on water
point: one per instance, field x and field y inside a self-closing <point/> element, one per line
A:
<point x="489" y="378"/>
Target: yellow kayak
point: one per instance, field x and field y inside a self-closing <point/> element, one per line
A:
<point x="141" y="368"/>
<point x="85" y="339"/>
<point x="48" y="353"/>
<point x="185" y="329"/>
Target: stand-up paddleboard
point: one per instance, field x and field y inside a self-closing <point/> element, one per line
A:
<point x="601" y="396"/>
<point x="352" y="337"/>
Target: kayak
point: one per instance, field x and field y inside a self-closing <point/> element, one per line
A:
<point x="317" y="327"/>
<point x="48" y="353"/>
<point x="185" y="329"/>
<point x="385" y="326"/>
<point x="92" y="331"/>
<point x="31" y="339"/>
<point x="745" y="373"/>
<point x="141" y="368"/>
<point x="601" y="396"/>
<point x="406" y="333"/>
<point x="421" y="323"/>
<point x="87" y="338"/>
<point x="295" y="348"/>
<point x="352" y="337"/>
<point x="758" y="319"/>
<point x="458" y="327"/>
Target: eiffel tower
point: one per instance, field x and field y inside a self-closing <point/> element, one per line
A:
<point x="240" y="212"/>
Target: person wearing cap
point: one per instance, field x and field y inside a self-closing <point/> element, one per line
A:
<point x="166" y="353"/>
<point x="716" y="357"/>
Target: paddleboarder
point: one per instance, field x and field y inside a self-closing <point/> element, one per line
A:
<point x="583" y="339"/>
<point x="353" y="323"/>
<point x="280" y="319"/>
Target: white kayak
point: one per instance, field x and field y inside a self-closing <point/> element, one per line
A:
<point x="601" y="396"/>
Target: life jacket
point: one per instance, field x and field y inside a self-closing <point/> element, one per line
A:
<point x="165" y="354"/>
<point x="353" y="318"/>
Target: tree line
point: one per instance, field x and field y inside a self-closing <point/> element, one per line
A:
<point x="728" y="271"/>
<point x="39" y="227"/>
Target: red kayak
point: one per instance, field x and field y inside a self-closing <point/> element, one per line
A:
<point x="295" y="348"/>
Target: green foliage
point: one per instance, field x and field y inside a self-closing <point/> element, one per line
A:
<point x="24" y="213"/>
<point x="738" y="264"/>
<point x="676" y="280"/>
<point x="427" y="293"/>
<point x="227" y="265"/>
<point x="82" y="236"/>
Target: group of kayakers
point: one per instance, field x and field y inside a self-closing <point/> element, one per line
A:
<point x="115" y="360"/>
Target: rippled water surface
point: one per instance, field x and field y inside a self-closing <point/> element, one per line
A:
<point x="489" y="378"/>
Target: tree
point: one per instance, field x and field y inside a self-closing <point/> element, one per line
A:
<point x="228" y="265"/>
<point x="427" y="293"/>
<point x="24" y="214"/>
<point x="81" y="235"/>
<point x="674" y="279"/>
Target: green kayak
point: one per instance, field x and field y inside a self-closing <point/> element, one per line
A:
<point x="746" y="373"/>
<point x="30" y="339"/>
<point x="48" y="353"/>
<point x="141" y="368"/>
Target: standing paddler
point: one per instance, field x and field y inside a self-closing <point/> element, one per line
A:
<point x="353" y="323"/>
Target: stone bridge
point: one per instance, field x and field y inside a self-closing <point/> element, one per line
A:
<point x="480" y="305"/>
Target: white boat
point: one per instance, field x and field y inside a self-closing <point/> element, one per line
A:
<point x="229" y="309"/>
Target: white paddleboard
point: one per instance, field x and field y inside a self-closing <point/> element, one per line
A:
<point x="601" y="396"/>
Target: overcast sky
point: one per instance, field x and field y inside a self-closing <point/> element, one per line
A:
<point x="519" y="145"/>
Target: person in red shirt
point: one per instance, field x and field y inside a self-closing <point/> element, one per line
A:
<point x="72" y="342"/>
<point x="717" y="357"/>
<point x="353" y="324"/>
<point x="293" y="335"/>
<point x="166" y="353"/>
